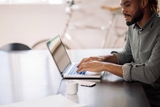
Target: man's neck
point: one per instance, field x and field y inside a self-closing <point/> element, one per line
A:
<point x="145" y="18"/>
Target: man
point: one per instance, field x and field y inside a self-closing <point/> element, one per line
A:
<point x="140" y="58"/>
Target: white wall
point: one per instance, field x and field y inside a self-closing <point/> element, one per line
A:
<point x="30" y="23"/>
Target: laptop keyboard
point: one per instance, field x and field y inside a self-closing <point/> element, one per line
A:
<point x="74" y="71"/>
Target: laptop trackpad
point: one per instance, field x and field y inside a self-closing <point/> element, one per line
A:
<point x="93" y="73"/>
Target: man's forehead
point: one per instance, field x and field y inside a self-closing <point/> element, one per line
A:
<point x="127" y="1"/>
<point x="122" y="1"/>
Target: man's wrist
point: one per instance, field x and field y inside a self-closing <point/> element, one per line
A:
<point x="102" y="66"/>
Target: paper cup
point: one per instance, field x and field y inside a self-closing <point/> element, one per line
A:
<point x="71" y="87"/>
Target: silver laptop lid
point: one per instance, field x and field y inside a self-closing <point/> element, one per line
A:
<point x="58" y="52"/>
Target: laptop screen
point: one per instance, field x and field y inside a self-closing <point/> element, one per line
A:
<point x="58" y="52"/>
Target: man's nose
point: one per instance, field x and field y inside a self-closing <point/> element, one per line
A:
<point x="122" y="11"/>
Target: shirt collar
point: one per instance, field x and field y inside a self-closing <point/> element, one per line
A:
<point x="149" y="24"/>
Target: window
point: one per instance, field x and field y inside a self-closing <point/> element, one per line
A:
<point x="31" y="1"/>
<point x="2" y="0"/>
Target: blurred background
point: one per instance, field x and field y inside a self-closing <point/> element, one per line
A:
<point x="82" y="24"/>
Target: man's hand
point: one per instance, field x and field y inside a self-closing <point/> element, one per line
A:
<point x="94" y="66"/>
<point x="84" y="60"/>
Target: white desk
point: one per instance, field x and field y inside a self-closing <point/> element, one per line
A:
<point x="32" y="74"/>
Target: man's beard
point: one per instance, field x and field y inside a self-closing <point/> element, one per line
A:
<point x="137" y="17"/>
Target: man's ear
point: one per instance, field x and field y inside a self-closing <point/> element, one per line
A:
<point x="144" y="3"/>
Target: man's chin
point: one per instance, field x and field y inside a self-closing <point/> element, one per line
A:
<point x="129" y="23"/>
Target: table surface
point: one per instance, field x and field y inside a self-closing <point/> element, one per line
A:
<point x="27" y="75"/>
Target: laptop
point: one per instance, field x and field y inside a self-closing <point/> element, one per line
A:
<point x="66" y="68"/>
